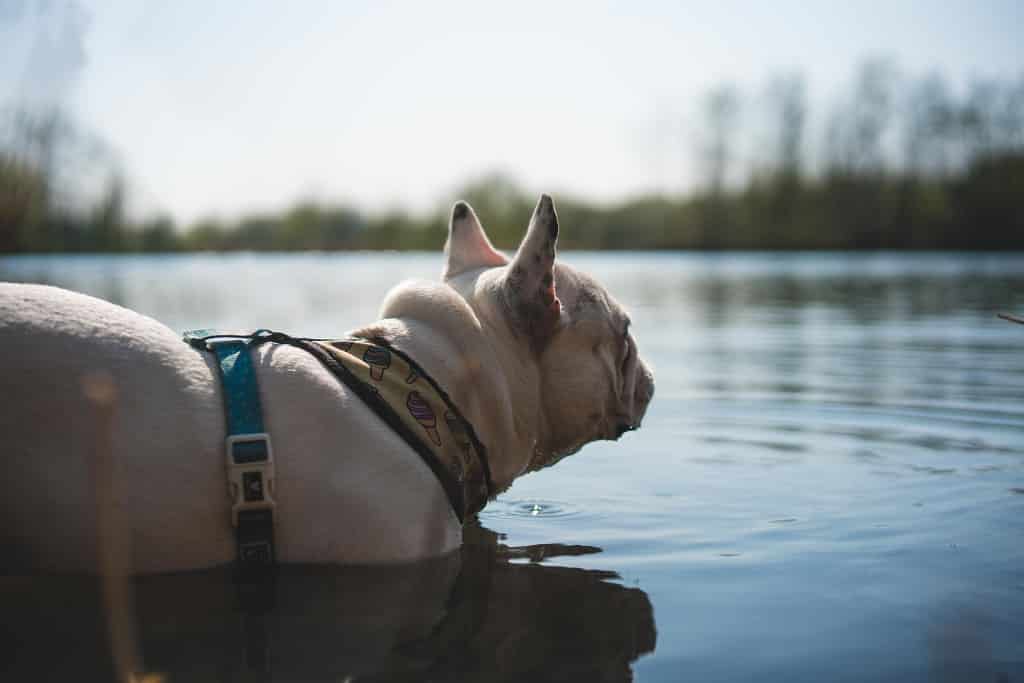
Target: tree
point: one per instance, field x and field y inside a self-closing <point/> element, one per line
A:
<point x="107" y="227"/>
<point x="720" y="112"/>
<point x="788" y="112"/>
<point x="859" y="124"/>
<point x="929" y="118"/>
<point x="721" y="109"/>
<point x="158" y="235"/>
<point x="22" y="203"/>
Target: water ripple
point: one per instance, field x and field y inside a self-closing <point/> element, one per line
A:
<point x="504" y="509"/>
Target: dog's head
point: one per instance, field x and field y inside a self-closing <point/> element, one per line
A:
<point x="594" y="385"/>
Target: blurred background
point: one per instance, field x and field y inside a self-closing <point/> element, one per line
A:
<point x="329" y="126"/>
<point x="829" y="484"/>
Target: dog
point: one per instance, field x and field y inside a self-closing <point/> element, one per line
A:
<point x="112" y="425"/>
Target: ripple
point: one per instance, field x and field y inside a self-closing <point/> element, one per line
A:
<point x="928" y="469"/>
<point x="782" y="446"/>
<point x="529" y="508"/>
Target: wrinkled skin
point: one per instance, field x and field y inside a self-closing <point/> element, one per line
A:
<point x="568" y="368"/>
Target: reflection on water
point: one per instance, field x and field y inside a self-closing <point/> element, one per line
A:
<point x="484" y="614"/>
<point x="828" y="485"/>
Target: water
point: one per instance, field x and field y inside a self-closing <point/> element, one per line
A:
<point x="829" y="485"/>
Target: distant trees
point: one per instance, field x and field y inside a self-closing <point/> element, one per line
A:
<point x="774" y="194"/>
<point x="905" y="163"/>
<point x="787" y="106"/>
<point x="897" y="162"/>
<point x="717" y="150"/>
<point x="59" y="190"/>
<point x="22" y="202"/>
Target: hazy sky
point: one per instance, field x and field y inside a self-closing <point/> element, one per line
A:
<point x="217" y="108"/>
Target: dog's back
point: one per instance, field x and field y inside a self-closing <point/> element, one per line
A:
<point x="347" y="485"/>
<point x="73" y="371"/>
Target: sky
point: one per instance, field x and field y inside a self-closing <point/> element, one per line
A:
<point x="216" y="109"/>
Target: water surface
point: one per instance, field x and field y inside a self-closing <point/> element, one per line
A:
<point x="829" y="485"/>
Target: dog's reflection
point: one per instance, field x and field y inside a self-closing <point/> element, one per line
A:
<point x="491" y="612"/>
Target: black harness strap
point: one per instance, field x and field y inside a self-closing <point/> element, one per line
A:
<point x="452" y="488"/>
<point x="254" y="527"/>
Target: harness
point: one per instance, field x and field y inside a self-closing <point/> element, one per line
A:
<point x="391" y="383"/>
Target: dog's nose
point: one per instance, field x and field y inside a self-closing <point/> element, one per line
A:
<point x="622" y="428"/>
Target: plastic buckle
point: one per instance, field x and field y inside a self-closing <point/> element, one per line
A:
<point x="250" y="466"/>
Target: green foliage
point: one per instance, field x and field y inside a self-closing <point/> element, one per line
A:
<point x="23" y="201"/>
<point x="207" y="235"/>
<point x="158" y="235"/>
<point x="978" y="209"/>
<point x="905" y="166"/>
<point x="106" y="228"/>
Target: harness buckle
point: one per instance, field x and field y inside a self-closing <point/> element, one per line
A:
<point x="250" y="469"/>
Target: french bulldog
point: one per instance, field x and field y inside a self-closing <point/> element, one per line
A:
<point x="112" y="427"/>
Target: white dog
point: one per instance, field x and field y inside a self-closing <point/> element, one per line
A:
<point x="536" y="355"/>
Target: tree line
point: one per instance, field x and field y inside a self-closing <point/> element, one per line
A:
<point x="897" y="163"/>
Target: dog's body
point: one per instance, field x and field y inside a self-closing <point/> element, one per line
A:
<point x="536" y="355"/>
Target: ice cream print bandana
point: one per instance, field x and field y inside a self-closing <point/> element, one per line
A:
<point x="399" y="391"/>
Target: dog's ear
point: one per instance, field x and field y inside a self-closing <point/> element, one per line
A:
<point x="467" y="246"/>
<point x="530" y="282"/>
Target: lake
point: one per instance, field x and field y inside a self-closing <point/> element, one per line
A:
<point x="829" y="485"/>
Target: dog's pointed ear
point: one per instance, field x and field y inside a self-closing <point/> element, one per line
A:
<point x="467" y="246"/>
<point x="530" y="282"/>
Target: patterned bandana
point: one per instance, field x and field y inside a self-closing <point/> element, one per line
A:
<point x="405" y="397"/>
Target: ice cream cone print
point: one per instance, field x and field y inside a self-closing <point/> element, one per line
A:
<point x="413" y="376"/>
<point x="424" y="414"/>
<point x="378" y="359"/>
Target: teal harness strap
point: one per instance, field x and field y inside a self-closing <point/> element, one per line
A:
<point x="241" y="394"/>
<point x="249" y="457"/>
<point x="250" y="473"/>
